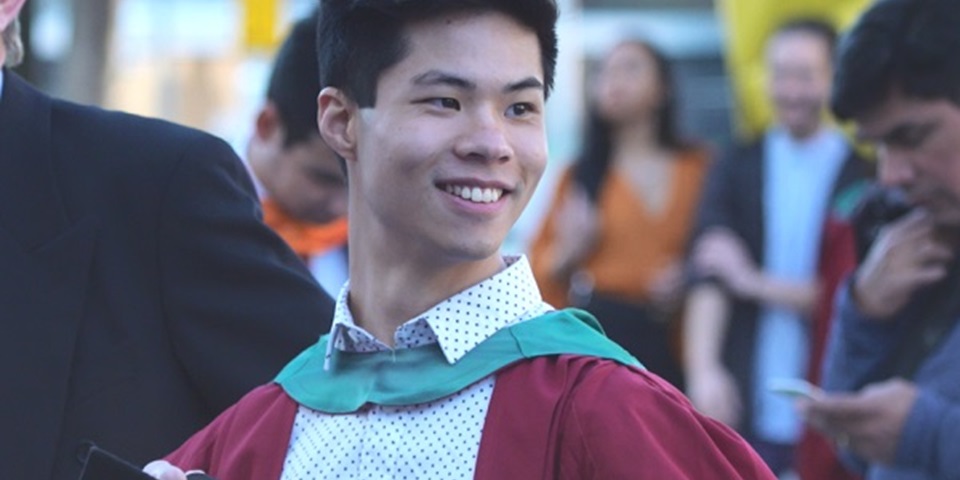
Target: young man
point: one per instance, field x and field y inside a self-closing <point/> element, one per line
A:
<point x="895" y="349"/>
<point x="760" y="234"/>
<point x="300" y="180"/>
<point x="443" y="361"/>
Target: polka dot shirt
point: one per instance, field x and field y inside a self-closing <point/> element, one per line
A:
<point x="436" y="440"/>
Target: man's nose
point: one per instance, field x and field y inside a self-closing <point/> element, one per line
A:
<point x="485" y="138"/>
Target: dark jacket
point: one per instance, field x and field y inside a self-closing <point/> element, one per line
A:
<point x="140" y="293"/>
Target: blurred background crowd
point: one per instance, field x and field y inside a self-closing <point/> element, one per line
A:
<point x="649" y="96"/>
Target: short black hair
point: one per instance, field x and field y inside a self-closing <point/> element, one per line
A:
<point x="812" y="26"/>
<point x="359" y="39"/>
<point x="912" y="46"/>
<point x="295" y="82"/>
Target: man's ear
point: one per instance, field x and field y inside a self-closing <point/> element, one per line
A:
<point x="9" y="9"/>
<point x="268" y="122"/>
<point x="337" y="118"/>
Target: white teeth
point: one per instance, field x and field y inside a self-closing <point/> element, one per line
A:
<point x="475" y="194"/>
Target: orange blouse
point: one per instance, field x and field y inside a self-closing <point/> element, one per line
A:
<point x="633" y="245"/>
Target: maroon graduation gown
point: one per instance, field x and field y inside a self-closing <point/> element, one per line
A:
<point x="553" y="417"/>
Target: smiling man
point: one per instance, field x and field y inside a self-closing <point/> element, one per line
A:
<point x="896" y="342"/>
<point x="443" y="361"/>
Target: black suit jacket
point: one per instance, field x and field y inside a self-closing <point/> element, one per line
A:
<point x="733" y="198"/>
<point x="140" y="293"/>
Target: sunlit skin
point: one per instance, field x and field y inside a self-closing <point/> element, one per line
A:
<point x="457" y="111"/>
<point x="918" y="148"/>
<point x="799" y="80"/>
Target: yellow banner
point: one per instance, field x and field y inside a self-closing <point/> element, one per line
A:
<point x="748" y="23"/>
<point x="260" y="24"/>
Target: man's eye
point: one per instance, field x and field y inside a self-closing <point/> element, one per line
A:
<point x="521" y="109"/>
<point x="445" y="102"/>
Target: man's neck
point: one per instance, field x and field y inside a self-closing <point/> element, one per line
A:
<point x="803" y="135"/>
<point x="388" y="289"/>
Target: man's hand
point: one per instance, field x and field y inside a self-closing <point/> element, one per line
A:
<point x="906" y="256"/>
<point x="666" y="289"/>
<point x="868" y="422"/>
<point x="163" y="470"/>
<point x="721" y="253"/>
<point x="713" y="391"/>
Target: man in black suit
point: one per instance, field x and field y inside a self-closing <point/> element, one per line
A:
<point x="140" y="292"/>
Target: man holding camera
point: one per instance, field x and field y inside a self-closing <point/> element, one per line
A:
<point x="895" y="347"/>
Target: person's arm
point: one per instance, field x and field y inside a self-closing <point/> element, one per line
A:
<point x="895" y="423"/>
<point x="544" y="246"/>
<point x="238" y="303"/>
<point x="710" y="386"/>
<point x="874" y="305"/>
<point x="930" y="439"/>
<point x="797" y="296"/>
<point x="857" y="346"/>
<point x="721" y="254"/>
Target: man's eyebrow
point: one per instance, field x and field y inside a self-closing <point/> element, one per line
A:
<point x="526" y="83"/>
<point x="437" y="77"/>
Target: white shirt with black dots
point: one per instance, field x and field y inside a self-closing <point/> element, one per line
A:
<point x="436" y="440"/>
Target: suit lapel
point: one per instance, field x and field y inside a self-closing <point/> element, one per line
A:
<point x="30" y="207"/>
<point x="42" y="299"/>
<point x="753" y="191"/>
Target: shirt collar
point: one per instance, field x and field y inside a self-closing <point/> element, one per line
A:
<point x="825" y="135"/>
<point x="457" y="324"/>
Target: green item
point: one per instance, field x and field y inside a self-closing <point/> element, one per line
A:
<point x="411" y="376"/>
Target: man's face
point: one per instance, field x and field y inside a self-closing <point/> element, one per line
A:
<point x="799" y="79"/>
<point x="308" y="182"/>
<point x="450" y="154"/>
<point x="919" y="151"/>
<point x="305" y="178"/>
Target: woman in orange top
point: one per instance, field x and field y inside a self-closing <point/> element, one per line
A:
<point x="614" y="238"/>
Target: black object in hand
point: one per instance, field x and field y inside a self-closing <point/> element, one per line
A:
<point x="103" y="465"/>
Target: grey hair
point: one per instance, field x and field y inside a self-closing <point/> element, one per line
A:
<point x="13" y="44"/>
